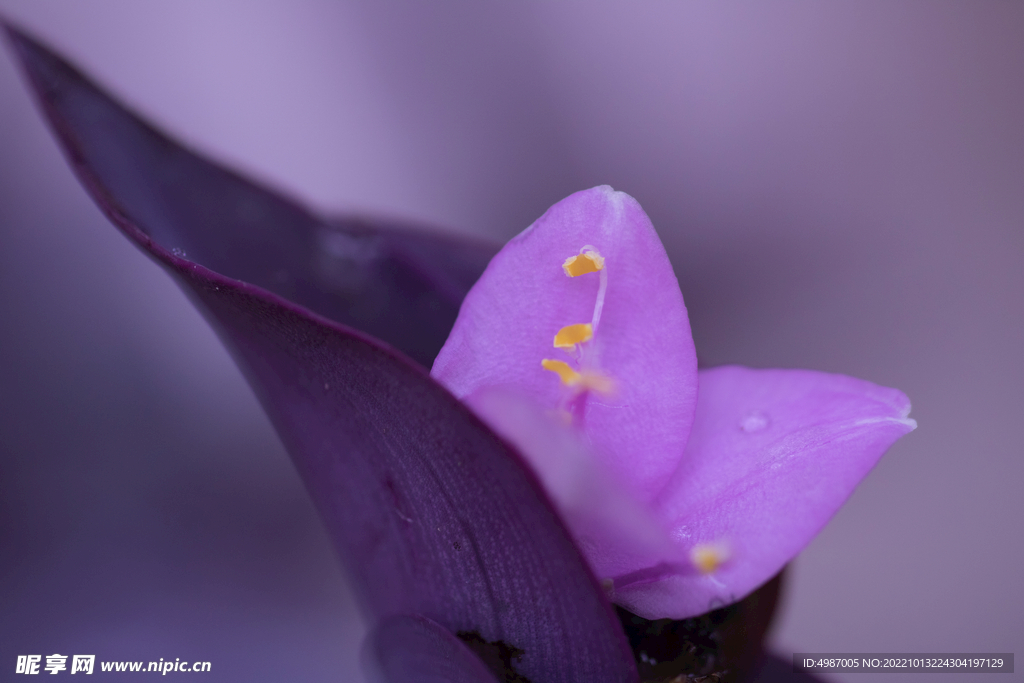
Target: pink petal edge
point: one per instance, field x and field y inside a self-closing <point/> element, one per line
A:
<point x="772" y="456"/>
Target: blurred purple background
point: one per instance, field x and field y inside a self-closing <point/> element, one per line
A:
<point x="840" y="187"/>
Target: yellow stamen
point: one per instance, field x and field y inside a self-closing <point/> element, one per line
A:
<point x="708" y="557"/>
<point x="589" y="261"/>
<point x="582" y="381"/>
<point x="569" y="338"/>
<point x="571" y="335"/>
<point x="562" y="369"/>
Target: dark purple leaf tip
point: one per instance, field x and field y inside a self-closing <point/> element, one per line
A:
<point x="399" y="284"/>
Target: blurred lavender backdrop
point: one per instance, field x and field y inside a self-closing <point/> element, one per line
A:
<point x="840" y="187"/>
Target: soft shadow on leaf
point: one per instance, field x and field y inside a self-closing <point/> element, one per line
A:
<point x="431" y="512"/>
<point x="409" y="649"/>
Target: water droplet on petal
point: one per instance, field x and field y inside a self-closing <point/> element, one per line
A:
<point x="754" y="421"/>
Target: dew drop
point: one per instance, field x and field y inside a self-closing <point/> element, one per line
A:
<point x="179" y="252"/>
<point x="754" y="421"/>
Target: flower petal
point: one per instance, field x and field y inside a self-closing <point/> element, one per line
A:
<point x="615" y="532"/>
<point x="398" y="284"/>
<point x="509" y="320"/>
<point x="771" y="457"/>
<point x="431" y="512"/>
<point x="413" y="649"/>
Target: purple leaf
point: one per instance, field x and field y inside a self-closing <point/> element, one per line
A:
<point x="409" y="649"/>
<point x="393" y="282"/>
<point x="431" y="512"/>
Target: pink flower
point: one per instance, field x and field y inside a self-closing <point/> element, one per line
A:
<point x="684" y="489"/>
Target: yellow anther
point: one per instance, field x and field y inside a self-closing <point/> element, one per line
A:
<point x="589" y="261"/>
<point x="708" y="557"/>
<point x="562" y="369"/>
<point x="571" y="335"/>
<point x="584" y="381"/>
